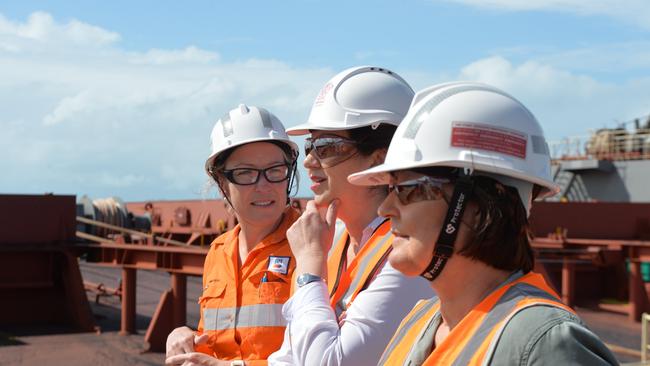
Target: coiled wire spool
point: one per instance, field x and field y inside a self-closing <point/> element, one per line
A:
<point x="110" y="210"/>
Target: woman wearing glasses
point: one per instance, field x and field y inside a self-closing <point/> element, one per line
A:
<point x="463" y="168"/>
<point x="348" y="301"/>
<point x="247" y="272"/>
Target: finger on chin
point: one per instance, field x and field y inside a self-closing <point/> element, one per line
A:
<point x="311" y="206"/>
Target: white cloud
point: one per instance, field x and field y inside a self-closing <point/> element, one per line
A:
<point x="190" y="54"/>
<point x="614" y="58"/>
<point x="41" y="26"/>
<point x="82" y="115"/>
<point x="629" y="11"/>
<point x="89" y="117"/>
<point x="68" y="107"/>
<point x="607" y="58"/>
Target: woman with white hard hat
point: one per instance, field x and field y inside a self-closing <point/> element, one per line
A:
<point x="462" y="170"/>
<point x="347" y="300"/>
<point x="248" y="270"/>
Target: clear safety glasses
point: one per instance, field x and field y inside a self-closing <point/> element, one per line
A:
<point x="248" y="176"/>
<point x="330" y="150"/>
<point x="421" y="189"/>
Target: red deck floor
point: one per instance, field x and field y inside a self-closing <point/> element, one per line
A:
<point x="32" y="347"/>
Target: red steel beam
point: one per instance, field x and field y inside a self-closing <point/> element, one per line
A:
<point x="127" y="323"/>
<point x="568" y="281"/>
<point x="179" y="292"/>
<point x="187" y="261"/>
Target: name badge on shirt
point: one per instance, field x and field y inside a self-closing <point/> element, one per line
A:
<point x="279" y="264"/>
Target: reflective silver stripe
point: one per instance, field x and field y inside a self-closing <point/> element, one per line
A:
<point x="266" y="119"/>
<point x="261" y="315"/>
<point x="504" y="306"/>
<point x="341" y="305"/>
<point x="339" y="230"/>
<point x="226" y="124"/>
<point x="416" y="122"/>
<point x="539" y="145"/>
<point x="406" y="327"/>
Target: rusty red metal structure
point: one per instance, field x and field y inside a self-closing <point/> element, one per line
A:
<point x="40" y="281"/>
<point x="585" y="248"/>
<point x="194" y="222"/>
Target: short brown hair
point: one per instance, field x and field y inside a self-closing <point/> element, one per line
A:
<point x="501" y="236"/>
<point x="370" y="139"/>
<point x="502" y="233"/>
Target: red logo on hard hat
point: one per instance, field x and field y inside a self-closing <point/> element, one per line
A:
<point x="320" y="99"/>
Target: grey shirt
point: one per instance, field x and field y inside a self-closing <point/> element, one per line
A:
<point x="537" y="335"/>
<point x="545" y="335"/>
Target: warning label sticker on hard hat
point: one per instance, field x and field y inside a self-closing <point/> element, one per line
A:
<point x="488" y="137"/>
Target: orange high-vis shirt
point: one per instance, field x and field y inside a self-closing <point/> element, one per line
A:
<point x="241" y="306"/>
<point x="473" y="340"/>
<point x="345" y="281"/>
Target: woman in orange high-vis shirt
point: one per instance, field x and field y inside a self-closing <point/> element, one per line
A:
<point x="247" y="272"/>
<point x="462" y="170"/>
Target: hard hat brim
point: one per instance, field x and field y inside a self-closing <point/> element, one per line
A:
<point x="380" y="174"/>
<point x="301" y="129"/>
<point x="212" y="157"/>
<point x="306" y="128"/>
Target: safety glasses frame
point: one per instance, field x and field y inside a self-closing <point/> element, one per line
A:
<point x="329" y="150"/>
<point x="420" y="189"/>
<point x="242" y="176"/>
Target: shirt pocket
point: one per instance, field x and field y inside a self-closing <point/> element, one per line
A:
<point x="212" y="306"/>
<point x="272" y="288"/>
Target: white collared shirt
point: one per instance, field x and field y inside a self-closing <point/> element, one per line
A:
<point x="313" y="335"/>
<point x="370" y="229"/>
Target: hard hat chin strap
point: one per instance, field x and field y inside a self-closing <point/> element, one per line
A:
<point x="444" y="248"/>
<point x="292" y="179"/>
<point x="223" y="193"/>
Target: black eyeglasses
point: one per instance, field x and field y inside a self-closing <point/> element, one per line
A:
<point x="421" y="189"/>
<point x="248" y="176"/>
<point x="330" y="150"/>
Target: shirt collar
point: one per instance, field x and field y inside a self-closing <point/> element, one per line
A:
<point x="278" y="235"/>
<point x="370" y="229"/>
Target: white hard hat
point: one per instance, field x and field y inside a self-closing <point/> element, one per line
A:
<point x="246" y="124"/>
<point x="474" y="126"/>
<point x="358" y="97"/>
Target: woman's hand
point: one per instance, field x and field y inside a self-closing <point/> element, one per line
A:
<point x="182" y="340"/>
<point x="195" y="359"/>
<point x="310" y="238"/>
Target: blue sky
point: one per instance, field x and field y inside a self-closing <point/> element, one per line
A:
<point x="118" y="98"/>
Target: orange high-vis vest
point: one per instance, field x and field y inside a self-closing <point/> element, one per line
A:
<point x="473" y="340"/>
<point x="347" y="281"/>
<point x="241" y="306"/>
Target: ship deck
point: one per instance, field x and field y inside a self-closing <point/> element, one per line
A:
<point x="43" y="346"/>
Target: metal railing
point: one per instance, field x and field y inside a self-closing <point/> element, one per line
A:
<point x="136" y="233"/>
<point x="645" y="317"/>
<point x="605" y="144"/>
